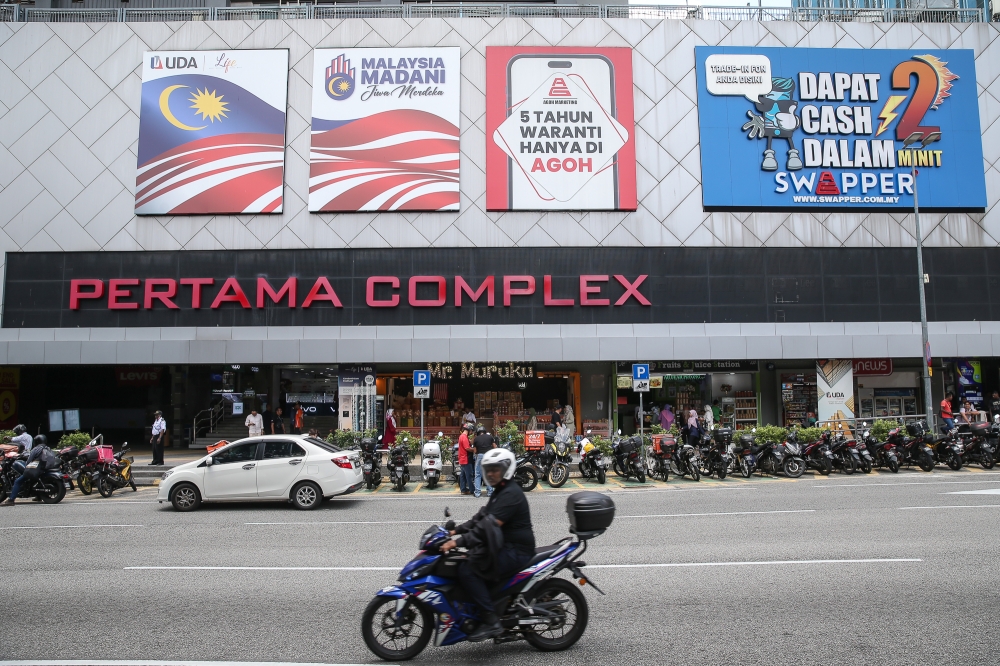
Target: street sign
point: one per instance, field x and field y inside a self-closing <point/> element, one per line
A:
<point x="640" y="371"/>
<point x="421" y="383"/>
<point x="640" y="385"/>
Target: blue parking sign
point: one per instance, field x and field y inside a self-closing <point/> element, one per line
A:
<point x="640" y="371"/>
<point x="421" y="378"/>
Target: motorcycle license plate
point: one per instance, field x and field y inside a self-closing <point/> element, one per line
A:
<point x="368" y="468"/>
<point x="399" y="469"/>
<point x="32" y="465"/>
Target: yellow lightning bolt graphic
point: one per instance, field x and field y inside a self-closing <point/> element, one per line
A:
<point x="888" y="115"/>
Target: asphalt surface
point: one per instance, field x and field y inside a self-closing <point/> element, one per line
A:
<point x="759" y="587"/>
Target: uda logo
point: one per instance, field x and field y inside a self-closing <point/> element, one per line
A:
<point x="176" y="62"/>
<point x="340" y="78"/>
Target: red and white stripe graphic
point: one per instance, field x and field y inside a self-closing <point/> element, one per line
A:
<point x="396" y="160"/>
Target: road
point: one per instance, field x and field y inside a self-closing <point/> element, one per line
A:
<point x="750" y="572"/>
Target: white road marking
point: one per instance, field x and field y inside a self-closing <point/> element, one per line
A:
<point x="744" y="564"/>
<point x="955" y="506"/>
<point x="260" y="569"/>
<point x="355" y="522"/>
<point x="727" y="513"/>
<point x="63" y="527"/>
<point x="902" y="483"/>
<point x="149" y="662"/>
<point x="987" y="491"/>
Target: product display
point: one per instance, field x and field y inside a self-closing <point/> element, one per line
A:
<point x="798" y="398"/>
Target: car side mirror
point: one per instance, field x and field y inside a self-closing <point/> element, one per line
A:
<point x="210" y="461"/>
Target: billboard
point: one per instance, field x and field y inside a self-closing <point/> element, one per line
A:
<point x="835" y="394"/>
<point x="800" y="129"/>
<point x="385" y="128"/>
<point x="559" y="129"/>
<point x="212" y="132"/>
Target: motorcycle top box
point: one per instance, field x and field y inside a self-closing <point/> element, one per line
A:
<point x="723" y="435"/>
<point x="590" y="513"/>
<point x="916" y="428"/>
<point x="368" y="444"/>
<point x="979" y="428"/>
<point x="628" y="445"/>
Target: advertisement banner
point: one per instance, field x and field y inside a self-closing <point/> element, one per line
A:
<point x="801" y="129"/>
<point x="835" y="394"/>
<point x="970" y="380"/>
<point x="10" y="385"/>
<point x="212" y="132"/>
<point x="385" y="127"/>
<point x="559" y="129"/>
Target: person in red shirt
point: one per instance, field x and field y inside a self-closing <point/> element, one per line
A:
<point x="947" y="418"/>
<point x="298" y="417"/>
<point x="465" y="461"/>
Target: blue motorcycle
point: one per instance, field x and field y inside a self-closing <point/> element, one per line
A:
<point x="549" y="613"/>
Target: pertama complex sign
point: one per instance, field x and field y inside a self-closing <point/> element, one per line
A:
<point x="787" y="128"/>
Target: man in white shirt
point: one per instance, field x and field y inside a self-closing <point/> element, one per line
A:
<point x="159" y="432"/>
<point x="709" y="417"/>
<point x="21" y="438"/>
<point x="255" y="422"/>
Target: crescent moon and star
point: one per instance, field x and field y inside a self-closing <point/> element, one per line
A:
<point x="208" y="104"/>
<point x="340" y="85"/>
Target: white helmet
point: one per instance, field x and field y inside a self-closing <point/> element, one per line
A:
<point x="502" y="458"/>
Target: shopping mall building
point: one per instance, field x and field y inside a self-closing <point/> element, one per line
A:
<point x="235" y="207"/>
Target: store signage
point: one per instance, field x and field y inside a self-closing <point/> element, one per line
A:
<point x="385" y="129"/>
<point x="687" y="367"/>
<point x="872" y="367"/>
<point x="10" y="384"/>
<point x="800" y="129"/>
<point x="835" y="393"/>
<point x="138" y="375"/>
<point x="481" y="370"/>
<point x="559" y="129"/>
<point x="212" y="132"/>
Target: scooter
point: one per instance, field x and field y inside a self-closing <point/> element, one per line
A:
<point x="371" y="461"/>
<point x="117" y="474"/>
<point x="593" y="464"/>
<point x="525" y="475"/>
<point x="430" y="461"/>
<point x="399" y="463"/>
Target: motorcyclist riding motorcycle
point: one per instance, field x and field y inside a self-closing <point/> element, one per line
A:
<point x="41" y="458"/>
<point x="499" y="537"/>
<point x="21" y="438"/>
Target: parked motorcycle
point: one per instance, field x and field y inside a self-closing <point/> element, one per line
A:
<point x="556" y="458"/>
<point x="534" y="605"/>
<point x="714" y="456"/>
<point x="49" y="487"/>
<point x="947" y="449"/>
<point x="399" y="463"/>
<point x="430" y="461"/>
<point x="744" y="460"/>
<point x="912" y="450"/>
<point x="774" y="458"/>
<point x="371" y="462"/>
<point x="116" y="474"/>
<point x="662" y="452"/>
<point x="883" y="453"/>
<point x="817" y="455"/>
<point x="842" y="459"/>
<point x="593" y="465"/>
<point x="525" y="473"/>
<point x="627" y="461"/>
<point x="976" y="446"/>
<point x="687" y="461"/>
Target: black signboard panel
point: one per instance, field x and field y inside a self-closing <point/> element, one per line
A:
<point x="571" y="286"/>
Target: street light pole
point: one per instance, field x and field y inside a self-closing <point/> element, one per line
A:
<point x="925" y="343"/>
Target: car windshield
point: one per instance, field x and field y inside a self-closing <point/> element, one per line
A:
<point x="323" y="444"/>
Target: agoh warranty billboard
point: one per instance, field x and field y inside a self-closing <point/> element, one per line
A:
<point x="385" y="128"/>
<point x="212" y="132"/>
<point x="799" y="129"/>
<point x="559" y="129"/>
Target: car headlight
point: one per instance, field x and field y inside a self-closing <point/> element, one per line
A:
<point x="166" y="474"/>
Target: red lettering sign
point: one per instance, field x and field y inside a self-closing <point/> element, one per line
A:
<point x="872" y="366"/>
<point x="138" y="375"/>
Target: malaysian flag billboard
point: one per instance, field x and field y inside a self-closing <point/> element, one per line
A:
<point x="385" y="127"/>
<point x="212" y="132"/>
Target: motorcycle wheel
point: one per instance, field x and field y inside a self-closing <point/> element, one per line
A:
<point x="793" y="468"/>
<point x="640" y="474"/>
<point x="4" y="489"/>
<point x="601" y="475"/>
<point x="560" y="634"/>
<point x="400" y="483"/>
<point x="558" y="475"/>
<point x="926" y="463"/>
<point x="866" y="466"/>
<point x="105" y="487"/>
<point x="825" y="466"/>
<point x="745" y="470"/>
<point x="893" y="465"/>
<point x="53" y="492"/>
<point x="85" y="483"/>
<point x="693" y="470"/>
<point x="377" y="624"/>
<point x="431" y="484"/>
<point x="527" y="478"/>
<point x="847" y="464"/>
<point x="955" y="462"/>
<point x="986" y="460"/>
<point x="618" y="470"/>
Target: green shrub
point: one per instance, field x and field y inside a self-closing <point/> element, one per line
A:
<point x="809" y="435"/>
<point x="881" y="427"/>
<point x="508" y="432"/>
<point x="75" y="438"/>
<point x="602" y="443"/>
<point x="770" y="433"/>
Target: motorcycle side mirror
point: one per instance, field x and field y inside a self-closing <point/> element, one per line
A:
<point x="440" y="434"/>
<point x="447" y="512"/>
<point x="619" y="431"/>
<point x="753" y="430"/>
<point x="450" y="525"/>
<point x="380" y="438"/>
<point x="864" y="424"/>
<point x="589" y="431"/>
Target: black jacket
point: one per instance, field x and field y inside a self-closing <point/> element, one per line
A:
<point x="47" y="459"/>
<point x="483" y="537"/>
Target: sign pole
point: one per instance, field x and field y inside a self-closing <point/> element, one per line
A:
<point x="421" y="422"/>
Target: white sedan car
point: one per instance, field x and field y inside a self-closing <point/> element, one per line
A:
<point x="293" y="468"/>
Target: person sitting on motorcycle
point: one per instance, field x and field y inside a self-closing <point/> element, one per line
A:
<point x="21" y="438"/>
<point x="507" y="508"/>
<point x="46" y="460"/>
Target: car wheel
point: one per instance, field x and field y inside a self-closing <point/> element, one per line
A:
<point x="307" y="496"/>
<point x="185" y="497"/>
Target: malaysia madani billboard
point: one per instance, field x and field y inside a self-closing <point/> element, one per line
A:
<point x="212" y="132"/>
<point x="385" y="129"/>
<point x="801" y="129"/>
<point x="559" y="129"/>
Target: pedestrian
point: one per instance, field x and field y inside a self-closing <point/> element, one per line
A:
<point x="966" y="411"/>
<point x="994" y="405"/>
<point x="569" y="420"/>
<point x="716" y="411"/>
<point x="482" y="443"/>
<point x="314" y="432"/>
<point x="156" y="441"/>
<point x="555" y="417"/>
<point x="692" y="426"/>
<point x="389" y="437"/>
<point x="466" y="468"/>
<point x="268" y="417"/>
<point x="277" y="423"/>
<point x="947" y="417"/>
<point x="666" y="417"/>
<point x="709" y="417"/>
<point x="39" y="461"/>
<point x="469" y="417"/>
<point x="255" y="423"/>
<point x="21" y="439"/>
<point x="298" y="418"/>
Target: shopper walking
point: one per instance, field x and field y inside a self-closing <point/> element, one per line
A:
<point x="254" y="423"/>
<point x="277" y="423"/>
<point x="482" y="443"/>
<point x="465" y="466"/>
<point x="156" y="441"/>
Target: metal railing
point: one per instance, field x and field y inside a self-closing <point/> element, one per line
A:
<point x="489" y="10"/>
<point x="206" y="420"/>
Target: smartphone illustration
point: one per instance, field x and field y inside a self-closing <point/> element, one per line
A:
<point x="593" y="73"/>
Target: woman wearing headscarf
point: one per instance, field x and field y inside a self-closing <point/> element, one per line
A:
<point x="569" y="420"/>
<point x="390" y="427"/>
<point x="666" y="417"/>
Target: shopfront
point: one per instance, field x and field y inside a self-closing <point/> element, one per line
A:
<point x="732" y="388"/>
